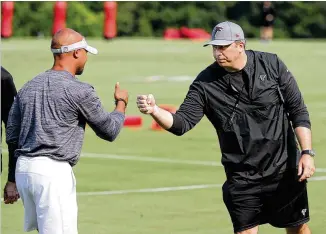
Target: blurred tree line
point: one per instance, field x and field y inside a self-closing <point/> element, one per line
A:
<point x="148" y="19"/>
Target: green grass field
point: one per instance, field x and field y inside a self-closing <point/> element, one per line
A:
<point x="159" y="159"/>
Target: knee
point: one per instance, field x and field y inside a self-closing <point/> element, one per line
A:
<point x="249" y="231"/>
<point x="302" y="228"/>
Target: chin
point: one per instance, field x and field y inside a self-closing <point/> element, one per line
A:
<point x="223" y="64"/>
<point x="79" y="72"/>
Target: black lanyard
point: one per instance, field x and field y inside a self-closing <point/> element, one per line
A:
<point x="236" y="104"/>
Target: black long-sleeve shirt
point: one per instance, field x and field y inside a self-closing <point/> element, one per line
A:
<point x="8" y="93"/>
<point x="246" y="109"/>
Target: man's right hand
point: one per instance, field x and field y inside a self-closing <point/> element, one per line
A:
<point x="146" y="104"/>
<point x="120" y="94"/>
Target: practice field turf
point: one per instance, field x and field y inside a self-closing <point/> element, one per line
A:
<point x="150" y="182"/>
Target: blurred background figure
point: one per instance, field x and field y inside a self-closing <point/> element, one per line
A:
<point x="268" y="19"/>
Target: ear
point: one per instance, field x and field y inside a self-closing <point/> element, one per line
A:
<point x="241" y="47"/>
<point x="76" y="53"/>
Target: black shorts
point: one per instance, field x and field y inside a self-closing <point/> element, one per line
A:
<point x="268" y="23"/>
<point x="281" y="202"/>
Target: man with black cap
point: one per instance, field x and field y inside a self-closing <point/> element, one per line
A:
<point x="256" y="107"/>
<point x="46" y="125"/>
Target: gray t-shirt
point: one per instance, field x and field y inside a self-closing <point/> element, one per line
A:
<point x="49" y="114"/>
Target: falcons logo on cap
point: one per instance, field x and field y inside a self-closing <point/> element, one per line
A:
<point x="218" y="29"/>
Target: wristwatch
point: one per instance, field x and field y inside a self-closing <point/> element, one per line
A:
<point x="310" y="152"/>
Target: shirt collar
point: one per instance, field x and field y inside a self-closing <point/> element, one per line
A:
<point x="250" y="62"/>
<point x="248" y="68"/>
<point x="69" y="75"/>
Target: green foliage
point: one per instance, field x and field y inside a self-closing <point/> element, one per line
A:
<point x="32" y="18"/>
<point x="82" y="19"/>
<point x="150" y="19"/>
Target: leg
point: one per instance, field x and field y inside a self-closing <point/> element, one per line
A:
<point x="288" y="208"/>
<point x="253" y="230"/>
<point x="244" y="205"/>
<point x="47" y="206"/>
<point x="24" y="187"/>
<point x="301" y="229"/>
<point x="263" y="36"/>
<point x="56" y="203"/>
<point x="271" y="35"/>
<point x="261" y="33"/>
<point x="268" y="32"/>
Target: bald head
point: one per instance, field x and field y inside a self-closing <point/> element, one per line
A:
<point x="73" y="61"/>
<point x="64" y="37"/>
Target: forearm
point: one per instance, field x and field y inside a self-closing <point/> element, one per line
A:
<point x="162" y="117"/>
<point x="304" y="137"/>
<point x="188" y="115"/>
<point x="12" y="162"/>
<point x="108" y="125"/>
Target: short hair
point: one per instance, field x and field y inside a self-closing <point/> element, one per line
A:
<point x="243" y="41"/>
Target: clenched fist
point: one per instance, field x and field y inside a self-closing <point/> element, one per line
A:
<point x="146" y="104"/>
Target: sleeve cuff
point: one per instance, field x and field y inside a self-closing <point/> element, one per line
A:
<point x="302" y="123"/>
<point x="176" y="127"/>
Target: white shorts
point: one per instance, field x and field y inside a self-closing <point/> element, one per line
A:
<point x="48" y="191"/>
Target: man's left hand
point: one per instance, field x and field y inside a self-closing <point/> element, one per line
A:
<point x="306" y="167"/>
<point x="11" y="194"/>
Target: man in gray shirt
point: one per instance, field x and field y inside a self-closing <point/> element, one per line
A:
<point x="46" y="128"/>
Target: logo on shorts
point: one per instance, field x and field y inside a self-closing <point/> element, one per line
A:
<point x="303" y="211"/>
<point x="262" y="77"/>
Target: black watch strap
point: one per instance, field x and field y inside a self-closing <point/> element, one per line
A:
<point x="120" y="99"/>
<point x="310" y="152"/>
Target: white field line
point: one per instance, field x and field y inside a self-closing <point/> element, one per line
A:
<point x="168" y="189"/>
<point x="151" y="190"/>
<point x="153" y="159"/>
<point x="320" y="169"/>
<point x="162" y="160"/>
<point x="164" y="189"/>
<point x="150" y="159"/>
<point x="317" y="178"/>
<point x="148" y="190"/>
